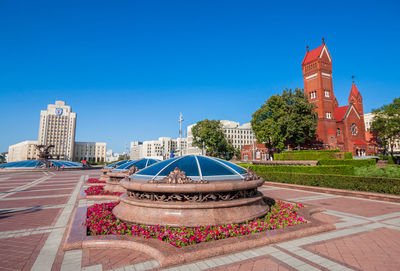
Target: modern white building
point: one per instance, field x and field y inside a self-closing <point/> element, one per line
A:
<point x="57" y="127"/>
<point x="24" y="150"/>
<point x="111" y="156"/>
<point x="368" y="119"/>
<point x="90" y="151"/>
<point x="158" y="149"/>
<point x="238" y="135"/>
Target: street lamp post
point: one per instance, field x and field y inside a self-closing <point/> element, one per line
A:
<point x="180" y="133"/>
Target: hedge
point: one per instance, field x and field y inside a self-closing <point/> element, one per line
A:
<point x="349" y="162"/>
<point x="310" y="155"/>
<point x="315" y="151"/>
<point x="358" y="183"/>
<point x="335" y="169"/>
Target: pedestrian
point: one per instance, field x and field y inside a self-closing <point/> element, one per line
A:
<point x="63" y="167"/>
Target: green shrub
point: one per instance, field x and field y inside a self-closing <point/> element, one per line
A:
<point x="390" y="171"/>
<point x="358" y="183"/>
<point x="311" y="155"/>
<point x="391" y="159"/>
<point x="349" y="162"/>
<point x="335" y="169"/>
<point x="348" y="155"/>
<point x="316" y="150"/>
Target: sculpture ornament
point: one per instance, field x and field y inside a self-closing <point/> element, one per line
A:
<point x="177" y="176"/>
<point x="251" y="175"/>
<point x="132" y="170"/>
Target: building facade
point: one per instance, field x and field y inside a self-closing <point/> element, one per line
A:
<point x="337" y="127"/>
<point x="255" y="152"/>
<point x="24" y="150"/>
<point x="90" y="151"/>
<point x="57" y="127"/>
<point x="158" y="149"/>
<point x="236" y="134"/>
<point x="111" y="156"/>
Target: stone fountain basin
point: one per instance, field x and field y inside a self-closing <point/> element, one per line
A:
<point x="211" y="186"/>
<point x="114" y="180"/>
<point x="190" y="213"/>
<point x="117" y="174"/>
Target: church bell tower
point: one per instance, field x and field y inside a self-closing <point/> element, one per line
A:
<point x="318" y="87"/>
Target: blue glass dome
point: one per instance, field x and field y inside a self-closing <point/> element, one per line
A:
<point x="29" y="164"/>
<point x="197" y="167"/>
<point x="119" y="163"/>
<point x="140" y="164"/>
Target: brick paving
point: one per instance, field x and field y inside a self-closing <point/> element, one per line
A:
<point x="112" y="258"/>
<point x="33" y="225"/>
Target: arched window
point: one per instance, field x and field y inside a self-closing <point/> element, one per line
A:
<point x="338" y="131"/>
<point x="353" y="129"/>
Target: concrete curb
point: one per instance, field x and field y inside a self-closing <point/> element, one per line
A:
<point x="341" y="192"/>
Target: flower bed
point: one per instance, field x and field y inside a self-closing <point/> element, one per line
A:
<point x="93" y="180"/>
<point x="99" y="191"/>
<point x="101" y="221"/>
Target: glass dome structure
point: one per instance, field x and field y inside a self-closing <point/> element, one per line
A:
<point x="140" y="164"/>
<point x="196" y="167"/>
<point x="29" y="164"/>
<point x="116" y="164"/>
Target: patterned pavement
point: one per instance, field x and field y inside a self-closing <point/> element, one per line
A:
<point x="35" y="208"/>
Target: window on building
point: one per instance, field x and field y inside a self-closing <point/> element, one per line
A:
<point x="313" y="95"/>
<point x="328" y="115"/>
<point x="354" y="129"/>
<point x="338" y="131"/>
<point x="326" y="93"/>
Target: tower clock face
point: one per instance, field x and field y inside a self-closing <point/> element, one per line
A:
<point x="354" y="129"/>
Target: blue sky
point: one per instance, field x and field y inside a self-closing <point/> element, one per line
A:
<point x="129" y="68"/>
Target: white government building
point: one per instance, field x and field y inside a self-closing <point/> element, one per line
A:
<point x="57" y="127"/>
<point x="158" y="149"/>
<point x="238" y="135"/>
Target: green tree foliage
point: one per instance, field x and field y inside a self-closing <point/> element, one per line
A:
<point x="211" y="133"/>
<point x="285" y="120"/>
<point x="386" y="124"/>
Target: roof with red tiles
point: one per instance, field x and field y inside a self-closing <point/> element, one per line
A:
<point x="340" y="112"/>
<point x="313" y="54"/>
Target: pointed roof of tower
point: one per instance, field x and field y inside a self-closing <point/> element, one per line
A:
<point x="316" y="53"/>
<point x="313" y="54"/>
<point x="354" y="90"/>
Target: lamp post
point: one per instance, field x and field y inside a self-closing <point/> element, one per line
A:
<point x="180" y="133"/>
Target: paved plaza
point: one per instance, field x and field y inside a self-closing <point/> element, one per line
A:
<point x="36" y="207"/>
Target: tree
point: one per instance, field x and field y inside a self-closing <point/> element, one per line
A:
<point x="211" y="133"/>
<point x="3" y="157"/>
<point x="386" y="124"/>
<point x="285" y="120"/>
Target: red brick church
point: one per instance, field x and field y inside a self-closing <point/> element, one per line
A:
<point x="338" y="127"/>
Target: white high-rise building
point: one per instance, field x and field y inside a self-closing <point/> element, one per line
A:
<point x="90" y="151"/>
<point x="57" y="127"/>
<point x="24" y="150"/>
<point x="238" y="135"/>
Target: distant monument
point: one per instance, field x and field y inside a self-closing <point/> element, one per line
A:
<point x="44" y="153"/>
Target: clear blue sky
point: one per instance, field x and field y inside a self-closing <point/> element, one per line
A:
<point x="129" y="68"/>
